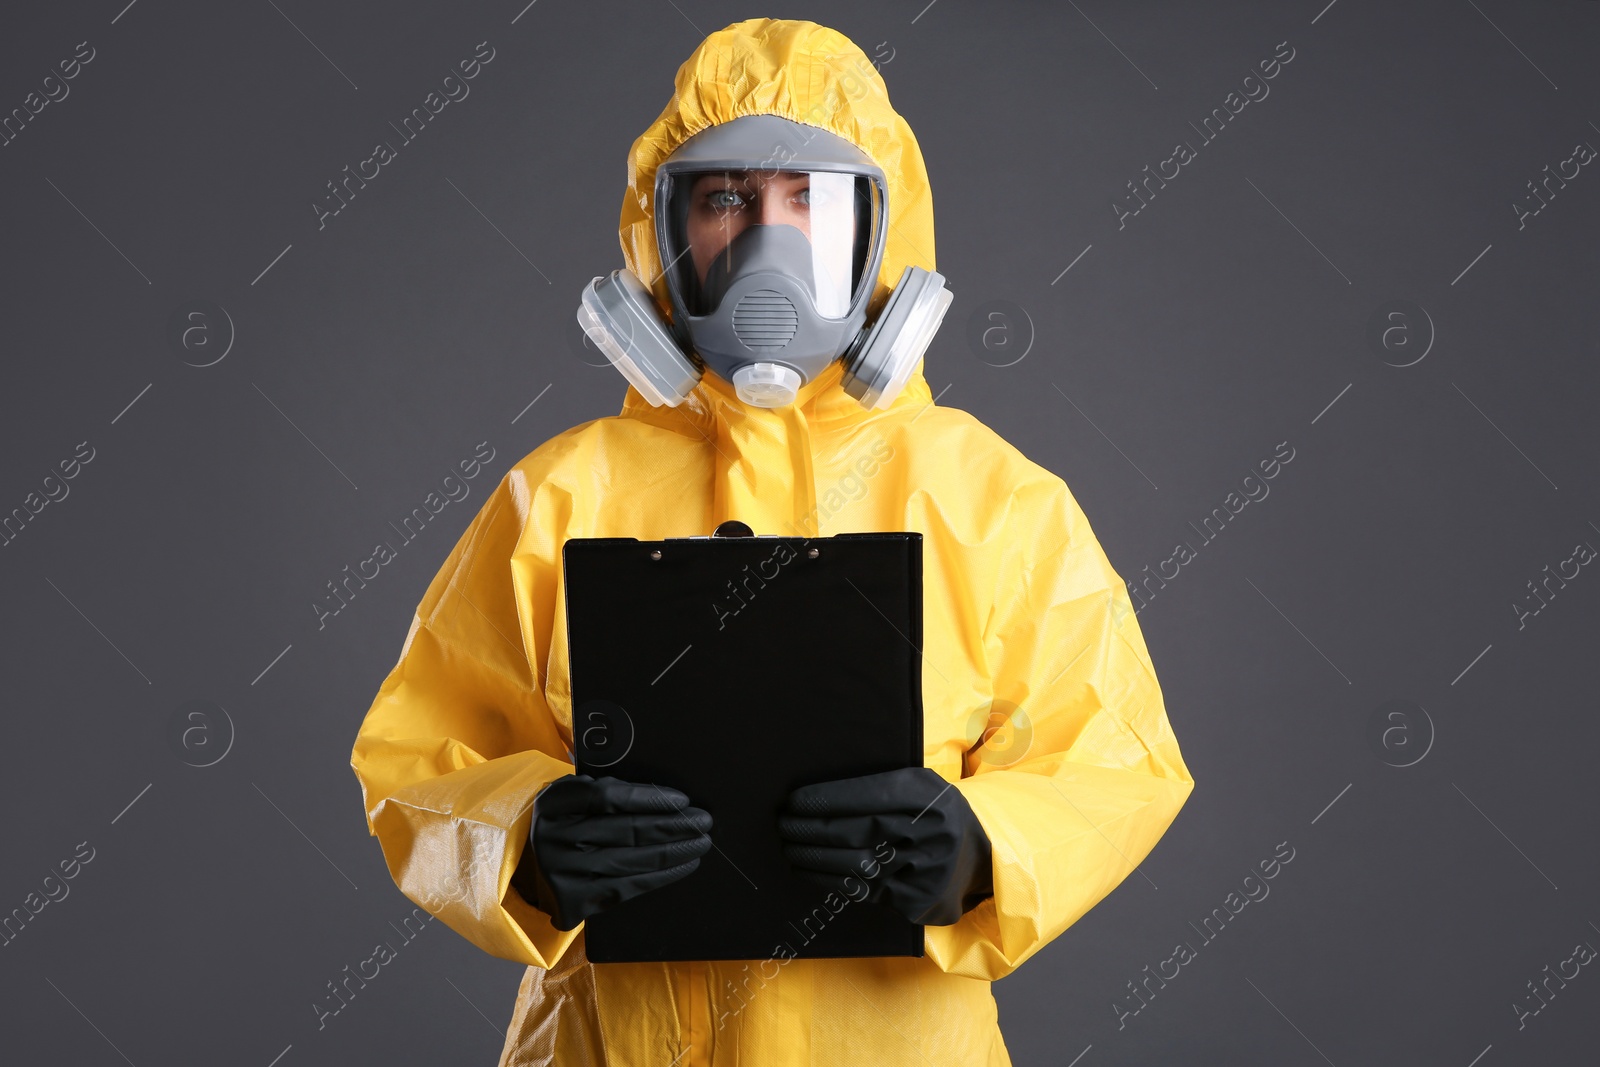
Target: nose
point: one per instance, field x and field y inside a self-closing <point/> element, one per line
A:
<point x="773" y="210"/>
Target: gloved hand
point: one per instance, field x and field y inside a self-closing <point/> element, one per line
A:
<point x="940" y="866"/>
<point x="594" y="843"/>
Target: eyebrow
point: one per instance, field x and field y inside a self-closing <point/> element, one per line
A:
<point x="745" y="177"/>
<point x="728" y="175"/>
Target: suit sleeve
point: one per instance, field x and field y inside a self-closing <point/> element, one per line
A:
<point x="459" y="739"/>
<point x="1083" y="775"/>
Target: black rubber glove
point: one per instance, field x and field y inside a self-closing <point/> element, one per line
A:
<point x="908" y="834"/>
<point x="594" y="843"/>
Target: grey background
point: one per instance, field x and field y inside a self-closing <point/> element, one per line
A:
<point x="1229" y="315"/>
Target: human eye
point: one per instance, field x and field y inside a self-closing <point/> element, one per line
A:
<point x="722" y="200"/>
<point x="815" y="196"/>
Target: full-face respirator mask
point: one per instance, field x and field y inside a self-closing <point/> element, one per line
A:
<point x="770" y="267"/>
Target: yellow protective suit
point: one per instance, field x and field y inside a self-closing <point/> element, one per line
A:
<point x="1026" y="627"/>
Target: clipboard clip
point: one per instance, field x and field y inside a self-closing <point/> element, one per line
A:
<point x="732" y="528"/>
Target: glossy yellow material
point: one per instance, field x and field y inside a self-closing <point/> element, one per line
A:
<point x="1026" y="627"/>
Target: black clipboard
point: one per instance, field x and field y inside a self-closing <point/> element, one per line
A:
<point x="736" y="669"/>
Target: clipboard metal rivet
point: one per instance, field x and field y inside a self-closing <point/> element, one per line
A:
<point x="813" y="553"/>
<point x="655" y="553"/>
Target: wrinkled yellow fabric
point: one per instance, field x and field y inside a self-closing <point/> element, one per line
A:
<point x="1026" y="626"/>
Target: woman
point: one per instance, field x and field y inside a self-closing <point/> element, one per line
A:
<point x="1044" y="724"/>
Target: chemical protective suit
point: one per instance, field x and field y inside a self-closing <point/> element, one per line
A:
<point x="1040" y="701"/>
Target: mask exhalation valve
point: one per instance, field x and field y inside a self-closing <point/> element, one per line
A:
<point x="766" y="385"/>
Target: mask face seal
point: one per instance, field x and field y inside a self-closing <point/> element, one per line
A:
<point x="773" y="234"/>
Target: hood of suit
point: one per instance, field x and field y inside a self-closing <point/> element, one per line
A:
<point x="809" y="74"/>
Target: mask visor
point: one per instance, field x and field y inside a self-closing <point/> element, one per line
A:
<point x="836" y="211"/>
